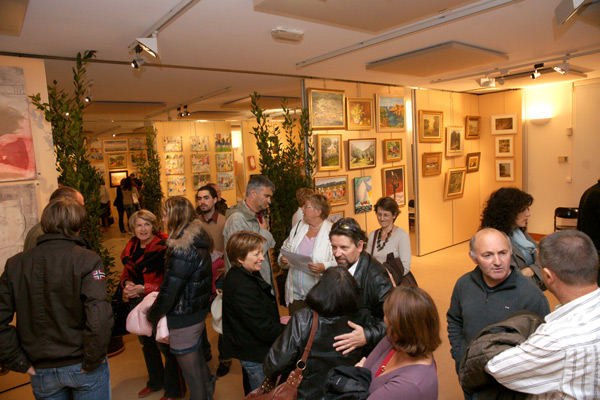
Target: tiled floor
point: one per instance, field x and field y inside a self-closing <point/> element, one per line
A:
<point x="436" y="273"/>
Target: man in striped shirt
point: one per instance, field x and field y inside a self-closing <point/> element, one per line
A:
<point x="561" y="359"/>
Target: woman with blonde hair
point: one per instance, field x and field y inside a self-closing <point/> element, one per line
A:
<point x="184" y="294"/>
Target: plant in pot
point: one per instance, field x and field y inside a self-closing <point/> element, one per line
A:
<point x="65" y="114"/>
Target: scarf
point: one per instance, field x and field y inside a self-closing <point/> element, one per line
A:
<point x="527" y="247"/>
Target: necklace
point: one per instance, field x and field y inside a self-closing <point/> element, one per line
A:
<point x="379" y="245"/>
<point x="385" y="362"/>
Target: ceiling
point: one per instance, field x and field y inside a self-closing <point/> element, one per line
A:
<point x="215" y="53"/>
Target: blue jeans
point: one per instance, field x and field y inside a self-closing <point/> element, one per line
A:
<point x="256" y="376"/>
<point x="69" y="382"/>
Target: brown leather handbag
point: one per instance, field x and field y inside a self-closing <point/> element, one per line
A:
<point x="288" y="390"/>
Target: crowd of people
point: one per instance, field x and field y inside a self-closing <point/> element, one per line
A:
<point x="344" y="303"/>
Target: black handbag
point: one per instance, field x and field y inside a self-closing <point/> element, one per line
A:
<point x="120" y="310"/>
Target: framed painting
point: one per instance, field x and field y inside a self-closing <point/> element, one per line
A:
<point x="329" y="150"/>
<point x="431" y="124"/>
<point x="201" y="180"/>
<point x="472" y="126"/>
<point x="455" y="183"/>
<point x="326" y="109"/>
<point x="225" y="180"/>
<point x="432" y="163"/>
<point x="390" y="113"/>
<point x="200" y="163"/>
<point x="137" y="144"/>
<point x="359" y="112"/>
<point x="224" y="162"/>
<point x="175" y="186"/>
<point x="117" y="161"/>
<point x="223" y="142"/>
<point x="335" y="188"/>
<point x="503" y="146"/>
<point x="392" y="150"/>
<point x="504" y="123"/>
<point x="455" y="143"/>
<point x="134" y="158"/>
<point x="199" y="143"/>
<point x="115" y="177"/>
<point x="361" y="153"/>
<point x="174" y="164"/>
<point x="505" y="170"/>
<point x="172" y="143"/>
<point x="115" y="145"/>
<point x="393" y="184"/>
<point x="363" y="187"/>
<point x="473" y="160"/>
<point x="335" y="216"/>
<point x="95" y="150"/>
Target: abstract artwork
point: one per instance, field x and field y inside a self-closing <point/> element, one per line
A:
<point x="201" y="180"/>
<point x="199" y="143"/>
<point x="225" y="180"/>
<point x="362" y="194"/>
<point x="200" y="163"/>
<point x="175" y="186"/>
<point x="224" y="162"/>
<point x="174" y="164"/>
<point x="222" y="142"/>
<point x="172" y="143"/>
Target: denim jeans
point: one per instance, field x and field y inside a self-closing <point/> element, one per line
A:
<point x="256" y="376"/>
<point x="69" y="382"/>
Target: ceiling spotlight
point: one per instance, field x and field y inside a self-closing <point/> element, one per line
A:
<point x="137" y="61"/>
<point x="486" y="82"/>
<point x="149" y="44"/>
<point x="180" y="114"/>
<point x="88" y="98"/>
<point x="185" y="111"/>
<point x="535" y="74"/>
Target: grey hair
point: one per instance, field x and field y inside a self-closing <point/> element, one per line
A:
<point x="472" y="241"/>
<point x="257" y="182"/>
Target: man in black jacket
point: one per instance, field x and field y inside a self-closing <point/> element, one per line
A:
<point x="348" y="241"/>
<point x="64" y="319"/>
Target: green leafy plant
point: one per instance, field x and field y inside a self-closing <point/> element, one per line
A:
<point x="149" y="173"/>
<point x="289" y="163"/>
<point x="65" y="114"/>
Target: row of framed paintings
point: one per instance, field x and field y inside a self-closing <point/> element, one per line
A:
<point x="335" y="188"/>
<point x="454" y="185"/>
<point x="431" y="125"/>
<point x="361" y="152"/>
<point x="329" y="109"/>
<point x="431" y="163"/>
<point x="174" y="163"/>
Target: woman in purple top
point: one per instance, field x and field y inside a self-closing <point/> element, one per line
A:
<point x="402" y="364"/>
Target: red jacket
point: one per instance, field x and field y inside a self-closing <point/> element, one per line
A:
<point x="151" y="264"/>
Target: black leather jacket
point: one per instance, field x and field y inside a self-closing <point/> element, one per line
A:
<point x="374" y="284"/>
<point x="289" y="346"/>
<point x="185" y="290"/>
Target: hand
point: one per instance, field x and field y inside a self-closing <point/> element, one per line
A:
<point x="283" y="260"/>
<point x="317" y="268"/>
<point x="31" y="370"/>
<point x="361" y="362"/>
<point x="527" y="271"/>
<point x="132" y="291"/>
<point x="348" y="342"/>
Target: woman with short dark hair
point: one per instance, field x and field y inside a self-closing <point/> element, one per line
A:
<point x="389" y="238"/>
<point x="184" y="295"/>
<point x="336" y="300"/>
<point x="402" y="364"/>
<point x="250" y="313"/>
<point x="507" y="210"/>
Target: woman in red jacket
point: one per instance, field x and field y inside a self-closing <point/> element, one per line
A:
<point x="143" y="270"/>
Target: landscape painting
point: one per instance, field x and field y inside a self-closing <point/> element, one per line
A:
<point x="361" y="153"/>
<point x="335" y="188"/>
<point x="391" y="113"/>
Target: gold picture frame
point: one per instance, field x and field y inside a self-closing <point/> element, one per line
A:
<point x="392" y="150"/>
<point x="326" y="109"/>
<point x="329" y="152"/>
<point x="431" y="126"/>
<point x="454" y="186"/>
<point x="472" y="127"/>
<point x="431" y="163"/>
<point x="359" y="114"/>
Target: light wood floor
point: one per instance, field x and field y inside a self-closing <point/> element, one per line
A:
<point x="436" y="273"/>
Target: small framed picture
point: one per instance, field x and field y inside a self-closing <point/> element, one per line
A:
<point x="251" y="162"/>
<point x="117" y="161"/>
<point x="473" y="162"/>
<point x="455" y="143"/>
<point x="115" y="145"/>
<point x="361" y="153"/>
<point x="199" y="143"/>
<point x="172" y="143"/>
<point x="329" y="151"/>
<point x="392" y="150"/>
<point x="393" y="184"/>
<point x="174" y="165"/>
<point x="201" y="180"/>
<point x="175" y="186"/>
<point x="223" y="142"/>
<point x="115" y="177"/>
<point x="431" y="125"/>
<point x="504" y="146"/>
<point x="326" y="109"/>
<point x="504" y="123"/>
<point x="224" y="162"/>
<point x="335" y="216"/>
<point x="363" y="187"/>
<point x="134" y="158"/>
<point x="359" y="112"/>
<point x="137" y="144"/>
<point x="505" y="170"/>
<point x="432" y="163"/>
<point x="455" y="183"/>
<point x="335" y="188"/>
<point x="472" y="127"/>
<point x="390" y="113"/>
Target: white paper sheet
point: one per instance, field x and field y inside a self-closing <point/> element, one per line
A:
<point x="298" y="260"/>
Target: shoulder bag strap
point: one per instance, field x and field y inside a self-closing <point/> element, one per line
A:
<point x="311" y="337"/>
<point x="374" y="240"/>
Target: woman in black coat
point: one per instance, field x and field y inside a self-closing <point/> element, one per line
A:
<point x="185" y="292"/>
<point x="336" y="300"/>
<point x="250" y="314"/>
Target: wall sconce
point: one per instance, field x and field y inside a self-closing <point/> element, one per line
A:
<point x="540" y="114"/>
